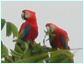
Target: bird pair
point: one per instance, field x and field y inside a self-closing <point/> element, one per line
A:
<point x="29" y="31"/>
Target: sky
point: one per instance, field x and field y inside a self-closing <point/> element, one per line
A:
<point x="67" y="15"/>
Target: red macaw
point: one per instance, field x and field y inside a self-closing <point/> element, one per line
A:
<point x="60" y="40"/>
<point x="29" y="29"/>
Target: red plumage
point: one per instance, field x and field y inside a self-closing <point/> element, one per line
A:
<point x="29" y="29"/>
<point x="56" y="42"/>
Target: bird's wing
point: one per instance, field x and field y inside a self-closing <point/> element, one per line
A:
<point x="64" y="42"/>
<point x="25" y="32"/>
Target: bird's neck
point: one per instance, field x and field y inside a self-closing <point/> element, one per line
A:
<point x="32" y="21"/>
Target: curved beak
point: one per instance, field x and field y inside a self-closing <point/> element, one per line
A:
<point x="22" y="15"/>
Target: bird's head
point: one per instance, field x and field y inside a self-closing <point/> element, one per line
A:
<point x="50" y="28"/>
<point x="26" y="14"/>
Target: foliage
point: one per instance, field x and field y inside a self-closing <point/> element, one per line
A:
<point x="34" y="56"/>
<point x="2" y="23"/>
<point x="11" y="29"/>
<point x="60" y="56"/>
<point x="31" y="52"/>
<point x="4" y="51"/>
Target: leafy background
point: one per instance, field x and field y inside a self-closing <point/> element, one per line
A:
<point x="38" y="53"/>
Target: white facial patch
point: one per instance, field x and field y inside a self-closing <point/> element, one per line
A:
<point x="27" y="15"/>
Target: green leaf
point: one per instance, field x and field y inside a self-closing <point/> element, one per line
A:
<point x="18" y="49"/>
<point x="21" y="45"/>
<point x="37" y="49"/>
<point x="22" y="48"/>
<point x="33" y="59"/>
<point x="26" y="47"/>
<point x="4" y="51"/>
<point x="14" y="30"/>
<point x="61" y="56"/>
<point x="8" y="29"/>
<point x="8" y="59"/>
<point x="16" y="55"/>
<point x="11" y="29"/>
<point x="2" y="23"/>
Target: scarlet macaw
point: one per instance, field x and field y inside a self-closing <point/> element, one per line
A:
<point x="60" y="38"/>
<point x="29" y="29"/>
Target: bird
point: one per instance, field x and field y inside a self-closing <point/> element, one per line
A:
<point x="29" y="29"/>
<point x="58" y="37"/>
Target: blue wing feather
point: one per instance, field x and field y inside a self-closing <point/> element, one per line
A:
<point x="63" y="41"/>
<point x="26" y="31"/>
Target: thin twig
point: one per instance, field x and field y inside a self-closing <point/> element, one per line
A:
<point x="76" y="49"/>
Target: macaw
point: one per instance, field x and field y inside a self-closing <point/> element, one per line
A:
<point x="60" y="38"/>
<point x="29" y="29"/>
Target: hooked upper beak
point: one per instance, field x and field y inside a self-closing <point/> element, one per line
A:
<point x="22" y="15"/>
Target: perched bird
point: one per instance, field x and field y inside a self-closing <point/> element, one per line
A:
<point x="60" y="38"/>
<point x="29" y="29"/>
